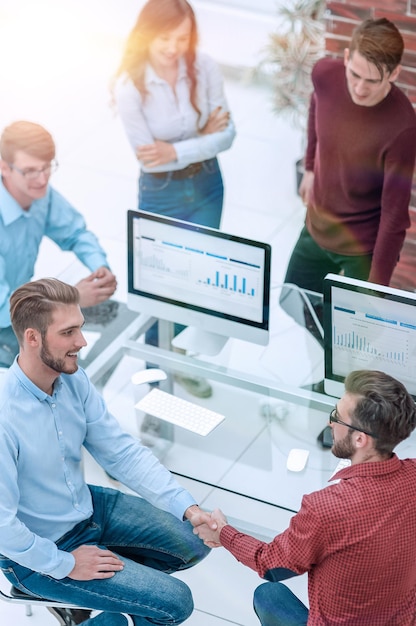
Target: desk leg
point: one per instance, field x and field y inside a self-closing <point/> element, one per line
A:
<point x="166" y="334"/>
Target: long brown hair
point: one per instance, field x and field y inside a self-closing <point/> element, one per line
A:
<point x="156" y="17"/>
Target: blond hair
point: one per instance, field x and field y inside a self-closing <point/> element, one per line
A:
<point x="28" y="137"/>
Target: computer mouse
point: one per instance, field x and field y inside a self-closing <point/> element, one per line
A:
<point x="297" y="459"/>
<point x="151" y="375"/>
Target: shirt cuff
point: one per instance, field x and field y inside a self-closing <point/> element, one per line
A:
<point x="65" y="566"/>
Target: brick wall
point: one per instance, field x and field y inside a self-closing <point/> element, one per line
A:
<point x="342" y="17"/>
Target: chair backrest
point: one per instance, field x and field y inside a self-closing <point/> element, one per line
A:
<point x="299" y="303"/>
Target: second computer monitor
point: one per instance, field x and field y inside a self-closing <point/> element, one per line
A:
<point x="368" y="326"/>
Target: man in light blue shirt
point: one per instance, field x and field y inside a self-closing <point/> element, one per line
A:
<point x="59" y="537"/>
<point x="29" y="210"/>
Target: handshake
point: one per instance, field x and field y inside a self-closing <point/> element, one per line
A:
<point x="207" y="525"/>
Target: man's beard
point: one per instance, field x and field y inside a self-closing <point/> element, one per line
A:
<point x="58" y="365"/>
<point x="344" y="448"/>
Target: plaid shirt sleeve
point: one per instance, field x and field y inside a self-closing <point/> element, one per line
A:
<point x="298" y="548"/>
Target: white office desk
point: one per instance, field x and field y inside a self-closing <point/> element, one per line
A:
<point x="246" y="454"/>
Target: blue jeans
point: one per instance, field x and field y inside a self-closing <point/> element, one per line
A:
<point x="276" y="605"/>
<point x="198" y="200"/>
<point x="152" y="544"/>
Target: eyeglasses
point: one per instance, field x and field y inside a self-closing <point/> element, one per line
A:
<point x="32" y="173"/>
<point x="333" y="417"/>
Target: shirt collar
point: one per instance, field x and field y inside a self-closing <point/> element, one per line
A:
<point x="10" y="209"/>
<point x="29" y="385"/>
<point x="368" y="469"/>
<point x="152" y="77"/>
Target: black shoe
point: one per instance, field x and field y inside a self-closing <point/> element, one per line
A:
<point x="69" y="617"/>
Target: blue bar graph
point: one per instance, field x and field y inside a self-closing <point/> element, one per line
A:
<point x="230" y="282"/>
<point x="353" y="341"/>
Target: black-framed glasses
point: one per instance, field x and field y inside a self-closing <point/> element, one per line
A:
<point x="32" y="173"/>
<point x="333" y="417"/>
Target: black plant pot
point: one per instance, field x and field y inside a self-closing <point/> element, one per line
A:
<point x="299" y="174"/>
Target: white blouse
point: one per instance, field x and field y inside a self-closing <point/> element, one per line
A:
<point x="167" y="115"/>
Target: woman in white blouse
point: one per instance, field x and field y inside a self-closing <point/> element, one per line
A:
<point x="171" y="101"/>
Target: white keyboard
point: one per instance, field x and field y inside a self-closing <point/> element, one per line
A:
<point x="180" y="412"/>
<point x="341" y="464"/>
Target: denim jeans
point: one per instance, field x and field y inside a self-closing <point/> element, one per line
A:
<point x="276" y="605"/>
<point x="151" y="543"/>
<point x="198" y="200"/>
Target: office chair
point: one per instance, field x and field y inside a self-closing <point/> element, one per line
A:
<point x="15" y="596"/>
<point x="305" y="307"/>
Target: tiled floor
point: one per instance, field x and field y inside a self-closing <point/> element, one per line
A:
<point x="57" y="58"/>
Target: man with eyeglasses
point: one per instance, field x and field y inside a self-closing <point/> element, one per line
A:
<point x="31" y="209"/>
<point x="356" y="538"/>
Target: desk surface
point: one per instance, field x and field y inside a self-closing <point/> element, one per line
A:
<point x="265" y="417"/>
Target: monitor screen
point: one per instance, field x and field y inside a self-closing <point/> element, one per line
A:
<point x="198" y="276"/>
<point x="368" y="326"/>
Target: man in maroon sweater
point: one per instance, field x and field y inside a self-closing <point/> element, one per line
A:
<point x="355" y="538"/>
<point x="358" y="165"/>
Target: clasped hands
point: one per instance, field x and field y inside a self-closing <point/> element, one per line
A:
<point x="208" y="526"/>
<point x="97" y="287"/>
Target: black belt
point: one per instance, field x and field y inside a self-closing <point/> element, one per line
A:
<point x="188" y="172"/>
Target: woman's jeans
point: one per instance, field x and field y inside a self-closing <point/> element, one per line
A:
<point x="276" y="605"/>
<point x="151" y="543"/>
<point x="197" y="199"/>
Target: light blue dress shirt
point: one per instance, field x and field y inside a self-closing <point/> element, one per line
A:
<point x="43" y="494"/>
<point x="21" y="233"/>
<point x="167" y="114"/>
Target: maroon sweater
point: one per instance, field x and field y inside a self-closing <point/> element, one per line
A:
<point x="363" y="160"/>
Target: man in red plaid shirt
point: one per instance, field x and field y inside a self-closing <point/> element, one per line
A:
<point x="356" y="538"/>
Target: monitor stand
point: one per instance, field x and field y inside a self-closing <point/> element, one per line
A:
<point x="199" y="341"/>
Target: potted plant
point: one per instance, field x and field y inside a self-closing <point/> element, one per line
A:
<point x="293" y="49"/>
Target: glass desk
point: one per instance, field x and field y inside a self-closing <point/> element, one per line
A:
<point x="265" y="418"/>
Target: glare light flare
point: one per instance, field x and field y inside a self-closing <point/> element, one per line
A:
<point x="46" y="39"/>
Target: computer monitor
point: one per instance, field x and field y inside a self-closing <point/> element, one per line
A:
<point x="368" y="326"/>
<point x="201" y="277"/>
